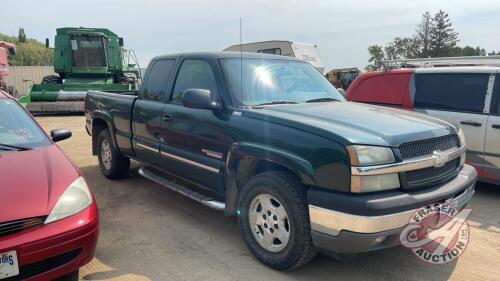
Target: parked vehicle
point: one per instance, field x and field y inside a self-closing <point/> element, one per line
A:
<point x="48" y="216"/>
<point x="84" y="59"/>
<point x="467" y="96"/>
<point x="342" y="78"/>
<point x="269" y="139"/>
<point x="5" y="49"/>
<point x="302" y="51"/>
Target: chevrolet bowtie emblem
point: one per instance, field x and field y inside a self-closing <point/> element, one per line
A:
<point x="441" y="158"/>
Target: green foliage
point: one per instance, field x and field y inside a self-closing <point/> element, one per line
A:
<point x="30" y="52"/>
<point x="434" y="36"/>
<point x="22" y="36"/>
<point x="376" y="56"/>
<point x="442" y="35"/>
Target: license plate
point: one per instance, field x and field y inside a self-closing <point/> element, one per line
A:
<point x="8" y="264"/>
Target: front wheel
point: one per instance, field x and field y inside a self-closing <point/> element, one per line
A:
<point x="274" y="220"/>
<point x="113" y="164"/>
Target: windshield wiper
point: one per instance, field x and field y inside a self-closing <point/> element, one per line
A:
<point x="276" y="102"/>
<point x="323" y="100"/>
<point x="16" y="147"/>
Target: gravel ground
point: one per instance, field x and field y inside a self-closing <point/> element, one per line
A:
<point x="151" y="233"/>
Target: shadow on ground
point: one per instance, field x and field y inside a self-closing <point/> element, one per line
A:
<point x="148" y="230"/>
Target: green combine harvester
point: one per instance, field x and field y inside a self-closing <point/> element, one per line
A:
<point x="84" y="59"/>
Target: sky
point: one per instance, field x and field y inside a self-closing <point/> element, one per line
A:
<point x="342" y="30"/>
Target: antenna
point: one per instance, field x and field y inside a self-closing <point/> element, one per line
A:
<point x="241" y="65"/>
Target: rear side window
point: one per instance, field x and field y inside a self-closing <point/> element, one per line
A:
<point x="156" y="85"/>
<point x="194" y="74"/>
<point x="464" y="92"/>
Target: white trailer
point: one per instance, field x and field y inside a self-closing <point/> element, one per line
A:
<point x="303" y="51"/>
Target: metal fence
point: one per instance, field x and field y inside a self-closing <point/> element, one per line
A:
<point x="23" y="76"/>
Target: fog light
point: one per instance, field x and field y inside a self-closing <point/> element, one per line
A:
<point x="379" y="240"/>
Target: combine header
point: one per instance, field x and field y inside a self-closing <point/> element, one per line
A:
<point x="84" y="59"/>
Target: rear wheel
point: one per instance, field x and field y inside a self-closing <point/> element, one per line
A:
<point x="274" y="220"/>
<point x="113" y="164"/>
<point x="51" y="79"/>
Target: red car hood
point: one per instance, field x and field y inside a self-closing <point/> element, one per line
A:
<point x="31" y="181"/>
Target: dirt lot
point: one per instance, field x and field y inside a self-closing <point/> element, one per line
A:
<point x="151" y="233"/>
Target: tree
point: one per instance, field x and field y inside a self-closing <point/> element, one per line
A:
<point x="423" y="35"/>
<point x="376" y="56"/>
<point x="401" y="48"/>
<point x="31" y="52"/>
<point x="22" y="36"/>
<point x="443" y="36"/>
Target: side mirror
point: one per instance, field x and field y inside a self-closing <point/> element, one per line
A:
<point x="120" y="41"/>
<point x="60" y="134"/>
<point x="47" y="43"/>
<point x="199" y="98"/>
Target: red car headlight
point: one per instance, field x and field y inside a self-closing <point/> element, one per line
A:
<point x="75" y="198"/>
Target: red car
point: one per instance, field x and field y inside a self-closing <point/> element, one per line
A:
<point x="49" y="221"/>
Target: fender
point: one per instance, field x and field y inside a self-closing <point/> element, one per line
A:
<point x="106" y="117"/>
<point x="241" y="150"/>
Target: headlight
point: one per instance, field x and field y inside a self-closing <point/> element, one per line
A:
<point x="461" y="137"/>
<point x="374" y="183"/>
<point x="364" y="155"/>
<point x="74" y="199"/>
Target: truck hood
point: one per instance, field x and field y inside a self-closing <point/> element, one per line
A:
<point x="32" y="181"/>
<point x="356" y="123"/>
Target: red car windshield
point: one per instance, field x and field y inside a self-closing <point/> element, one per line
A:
<point x="17" y="128"/>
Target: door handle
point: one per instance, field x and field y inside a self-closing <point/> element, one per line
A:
<point x="471" y="123"/>
<point x="495" y="126"/>
<point x="166" y="117"/>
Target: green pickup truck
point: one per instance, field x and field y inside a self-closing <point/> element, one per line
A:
<point x="268" y="139"/>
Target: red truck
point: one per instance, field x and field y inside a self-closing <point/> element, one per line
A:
<point x="6" y="48"/>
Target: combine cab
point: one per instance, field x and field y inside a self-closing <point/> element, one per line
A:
<point x="84" y="59"/>
<point x="5" y="49"/>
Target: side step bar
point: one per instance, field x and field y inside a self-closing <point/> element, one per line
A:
<point x="207" y="201"/>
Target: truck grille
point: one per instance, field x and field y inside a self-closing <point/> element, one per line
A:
<point x="427" y="147"/>
<point x="430" y="175"/>
<point x="7" y="228"/>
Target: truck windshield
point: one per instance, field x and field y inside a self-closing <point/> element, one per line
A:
<point x="17" y="129"/>
<point x="274" y="81"/>
<point x="88" y="51"/>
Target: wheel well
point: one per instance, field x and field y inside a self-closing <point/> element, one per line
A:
<point x="97" y="126"/>
<point x="246" y="169"/>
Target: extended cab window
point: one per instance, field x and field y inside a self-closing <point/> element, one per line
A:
<point x="463" y="92"/>
<point x="156" y="85"/>
<point x="194" y="74"/>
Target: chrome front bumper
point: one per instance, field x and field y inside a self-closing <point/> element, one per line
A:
<point x="332" y="223"/>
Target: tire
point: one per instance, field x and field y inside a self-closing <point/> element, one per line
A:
<point x="73" y="276"/>
<point x="113" y="164"/>
<point x="51" y="79"/>
<point x="284" y="192"/>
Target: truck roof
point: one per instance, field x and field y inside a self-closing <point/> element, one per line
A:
<point x="224" y="55"/>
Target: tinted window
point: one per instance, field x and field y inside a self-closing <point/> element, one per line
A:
<point x="17" y="128"/>
<point x="274" y="51"/>
<point x="456" y="92"/>
<point x="194" y="74"/>
<point x="156" y="86"/>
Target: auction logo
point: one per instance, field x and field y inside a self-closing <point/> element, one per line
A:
<point x="437" y="233"/>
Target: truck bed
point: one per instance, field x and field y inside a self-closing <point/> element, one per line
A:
<point x="116" y="108"/>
